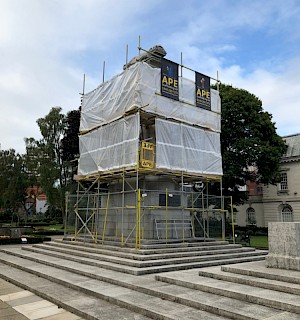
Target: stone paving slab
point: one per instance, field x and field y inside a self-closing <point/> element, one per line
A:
<point x="147" y="284"/>
<point x="150" y="306"/>
<point x="260" y="270"/>
<point x="143" y="294"/>
<point x="89" y="307"/>
<point x="11" y="313"/>
<point x="17" y="295"/>
<point x="224" y="273"/>
<point x="62" y="316"/>
<point x="19" y="304"/>
<point x="22" y="301"/>
<point x="38" y="312"/>
<point x="260" y="296"/>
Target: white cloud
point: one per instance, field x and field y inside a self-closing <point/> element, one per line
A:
<point x="213" y="42"/>
<point x="46" y="46"/>
<point x="39" y="41"/>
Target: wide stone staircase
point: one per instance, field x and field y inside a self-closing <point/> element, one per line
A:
<point x="191" y="280"/>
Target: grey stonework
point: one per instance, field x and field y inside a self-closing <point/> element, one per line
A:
<point x="284" y="245"/>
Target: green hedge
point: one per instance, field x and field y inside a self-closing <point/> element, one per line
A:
<point x="49" y="232"/>
<point x="30" y="240"/>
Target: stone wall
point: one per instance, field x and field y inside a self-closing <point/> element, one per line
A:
<point x="284" y="245"/>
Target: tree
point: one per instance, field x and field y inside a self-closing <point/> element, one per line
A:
<point x="70" y="144"/>
<point x="251" y="149"/>
<point x="45" y="156"/>
<point x="13" y="182"/>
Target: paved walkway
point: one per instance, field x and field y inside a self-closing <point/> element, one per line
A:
<point x="19" y="304"/>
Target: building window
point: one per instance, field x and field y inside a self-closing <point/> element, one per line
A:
<point x="259" y="190"/>
<point x="287" y="214"/>
<point x="251" y="219"/>
<point x="283" y="186"/>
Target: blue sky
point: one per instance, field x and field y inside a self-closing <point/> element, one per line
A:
<point x="47" y="45"/>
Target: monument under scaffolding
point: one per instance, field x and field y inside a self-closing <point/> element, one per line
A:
<point x="149" y="153"/>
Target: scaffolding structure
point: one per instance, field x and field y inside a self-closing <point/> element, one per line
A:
<point x="134" y="214"/>
<point x="141" y="155"/>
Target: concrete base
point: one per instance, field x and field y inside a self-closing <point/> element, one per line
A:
<point x="284" y="245"/>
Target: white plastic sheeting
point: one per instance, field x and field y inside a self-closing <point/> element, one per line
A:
<point x="139" y="87"/>
<point x="112" y="146"/>
<point x="186" y="148"/>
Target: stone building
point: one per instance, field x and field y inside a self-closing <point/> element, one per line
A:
<point x="274" y="203"/>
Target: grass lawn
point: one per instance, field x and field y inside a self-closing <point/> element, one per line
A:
<point x="259" y="242"/>
<point x="54" y="227"/>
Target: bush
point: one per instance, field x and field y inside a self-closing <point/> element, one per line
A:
<point x="48" y="232"/>
<point x="251" y="230"/>
<point x="30" y="239"/>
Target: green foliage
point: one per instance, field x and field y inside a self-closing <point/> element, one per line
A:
<point x="45" y="159"/>
<point x="13" y="181"/>
<point x="30" y="239"/>
<point x="70" y="146"/>
<point x="51" y="159"/>
<point x="70" y="141"/>
<point x="48" y="163"/>
<point x="251" y="148"/>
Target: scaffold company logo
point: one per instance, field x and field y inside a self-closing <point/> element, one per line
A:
<point x="202" y="91"/>
<point x="169" y="79"/>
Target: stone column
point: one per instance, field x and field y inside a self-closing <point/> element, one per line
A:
<point x="284" y="245"/>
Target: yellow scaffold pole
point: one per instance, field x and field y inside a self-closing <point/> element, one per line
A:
<point x="166" y="215"/>
<point x="66" y="212"/>
<point x="232" y="219"/>
<point x="105" y="219"/>
<point x="138" y="221"/>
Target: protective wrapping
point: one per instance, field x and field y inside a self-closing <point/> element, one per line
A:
<point x="139" y="87"/>
<point x="186" y="148"/>
<point x="112" y="146"/>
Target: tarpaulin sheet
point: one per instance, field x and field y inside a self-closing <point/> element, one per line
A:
<point x="112" y="146"/>
<point x="139" y="87"/>
<point x="185" y="148"/>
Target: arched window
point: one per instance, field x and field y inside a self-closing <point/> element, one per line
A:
<point x="287" y="214"/>
<point x="251" y="219"/>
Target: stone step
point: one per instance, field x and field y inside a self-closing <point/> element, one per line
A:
<point x="61" y="262"/>
<point x="182" y="244"/>
<point x="137" y="302"/>
<point x="127" y="260"/>
<point x="159" y="241"/>
<point x="225" y="307"/>
<point x="222" y="274"/>
<point x="137" y="254"/>
<point x="83" y="305"/>
<point x="139" y="270"/>
<point x="258" y="270"/>
<point x="155" y="241"/>
<point x="283" y="301"/>
<point x="161" y="248"/>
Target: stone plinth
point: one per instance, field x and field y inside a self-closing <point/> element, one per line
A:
<point x="284" y="245"/>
